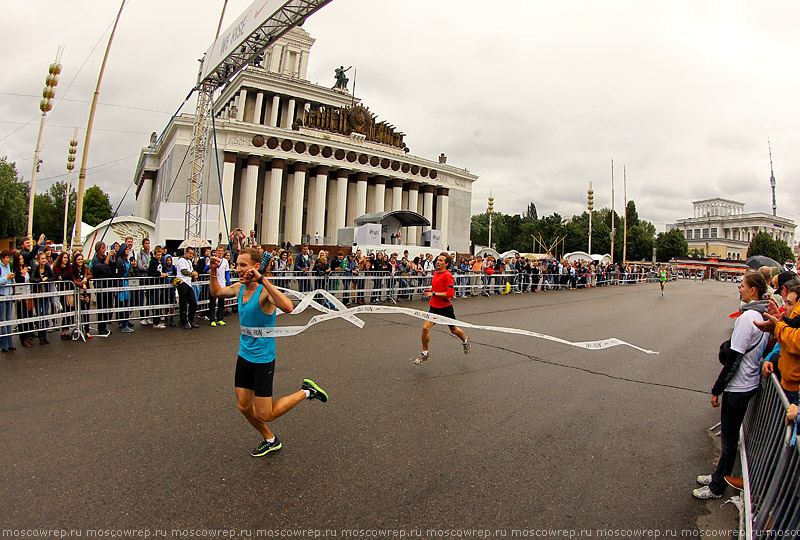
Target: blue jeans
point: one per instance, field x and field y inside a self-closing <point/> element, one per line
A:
<point x="734" y="407"/>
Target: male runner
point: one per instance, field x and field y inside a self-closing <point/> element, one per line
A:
<point x="441" y="291"/>
<point x="255" y="366"/>
<point x="662" y="277"/>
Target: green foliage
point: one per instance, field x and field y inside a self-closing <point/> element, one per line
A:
<point x="697" y="253"/>
<point x="48" y="216"/>
<point x="763" y="244"/>
<point x="13" y="201"/>
<point x="530" y="215"/>
<point x="672" y="244"/>
<point x="96" y="206"/>
<point x="571" y="234"/>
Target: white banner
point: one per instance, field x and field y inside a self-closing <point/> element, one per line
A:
<point x="247" y="23"/>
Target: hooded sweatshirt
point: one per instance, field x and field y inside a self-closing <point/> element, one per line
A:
<point x="789" y="360"/>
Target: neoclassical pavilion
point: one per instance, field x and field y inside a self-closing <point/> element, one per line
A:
<point x="299" y="159"/>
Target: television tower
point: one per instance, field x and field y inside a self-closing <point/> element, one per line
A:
<point x="772" y="179"/>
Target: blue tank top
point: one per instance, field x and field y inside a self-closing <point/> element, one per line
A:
<point x="259" y="350"/>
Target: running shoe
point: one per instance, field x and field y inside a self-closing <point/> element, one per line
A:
<point x="422" y="357"/>
<point x="160" y="326"/>
<point x="221" y="323"/>
<point x="194" y="325"/>
<point x="127" y="329"/>
<point x="315" y="391"/>
<point x="213" y="324"/>
<point x="266" y="447"/>
<point x="467" y="346"/>
<point x="705" y="493"/>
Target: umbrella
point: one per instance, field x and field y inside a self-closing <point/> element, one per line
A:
<point x="194" y="243"/>
<point x="757" y="261"/>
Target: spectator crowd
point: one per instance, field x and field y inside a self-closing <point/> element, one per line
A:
<point x="42" y="290"/>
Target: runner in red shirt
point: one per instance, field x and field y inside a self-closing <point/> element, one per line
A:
<point x="441" y="291"/>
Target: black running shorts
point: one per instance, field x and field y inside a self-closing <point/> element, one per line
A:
<point x="255" y="376"/>
<point x="443" y="311"/>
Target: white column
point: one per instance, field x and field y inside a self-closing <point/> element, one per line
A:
<point x="143" y="202"/>
<point x="289" y="114"/>
<point x="361" y="194"/>
<point x="259" y="105"/>
<point x="294" y="205"/>
<point x="247" y="195"/>
<point x="339" y="202"/>
<point x="427" y="204"/>
<point x="273" y="112"/>
<point x="242" y="102"/>
<point x="350" y="214"/>
<point x="443" y="212"/>
<point x="226" y="202"/>
<point x="272" y="209"/>
<point x="412" y="233"/>
<point x="317" y="190"/>
<point x="330" y="204"/>
<point x="397" y="194"/>
<point x="380" y="193"/>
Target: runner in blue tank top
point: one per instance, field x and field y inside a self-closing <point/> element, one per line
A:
<point x="255" y="367"/>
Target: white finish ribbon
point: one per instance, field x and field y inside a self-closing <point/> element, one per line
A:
<point x="349" y="314"/>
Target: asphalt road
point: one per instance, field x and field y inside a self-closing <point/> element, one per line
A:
<point x="141" y="430"/>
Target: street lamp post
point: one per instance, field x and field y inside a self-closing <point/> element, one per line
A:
<point x="590" y="205"/>
<point x="45" y="105"/>
<point x="77" y="243"/>
<point x="491" y="211"/>
<point x="73" y="149"/>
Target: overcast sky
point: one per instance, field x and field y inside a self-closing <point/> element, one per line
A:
<point x="535" y="98"/>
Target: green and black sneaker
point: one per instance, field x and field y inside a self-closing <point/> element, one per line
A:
<point x="315" y="391"/>
<point x="266" y="447"/>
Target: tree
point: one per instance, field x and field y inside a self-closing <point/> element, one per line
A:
<point x="633" y="215"/>
<point x="13" y="201"/>
<point x="785" y="252"/>
<point x="763" y="244"/>
<point x="530" y="214"/>
<point x="96" y="206"/>
<point x="640" y="244"/>
<point x="48" y="215"/>
<point x="670" y="245"/>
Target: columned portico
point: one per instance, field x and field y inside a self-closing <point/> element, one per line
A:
<point x="293" y="228"/>
<point x="247" y="195"/>
<point x="272" y="206"/>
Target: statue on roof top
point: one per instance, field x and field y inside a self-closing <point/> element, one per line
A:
<point x="341" y="78"/>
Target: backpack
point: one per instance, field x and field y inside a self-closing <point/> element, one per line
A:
<point x="728" y="357"/>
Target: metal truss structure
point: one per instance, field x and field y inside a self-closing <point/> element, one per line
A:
<point x="292" y="13"/>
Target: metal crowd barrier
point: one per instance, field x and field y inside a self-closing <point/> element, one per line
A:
<point x="58" y="305"/>
<point x="39" y="307"/>
<point x="770" y="467"/>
